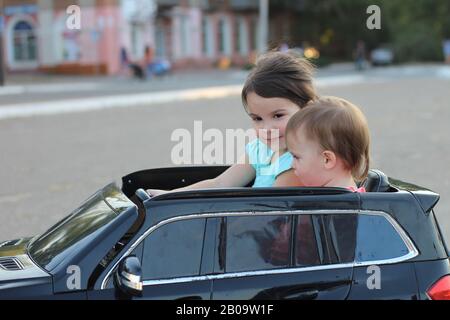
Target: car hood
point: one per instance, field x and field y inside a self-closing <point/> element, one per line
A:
<point x="18" y="272"/>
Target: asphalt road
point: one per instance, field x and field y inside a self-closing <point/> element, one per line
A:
<point x="50" y="164"/>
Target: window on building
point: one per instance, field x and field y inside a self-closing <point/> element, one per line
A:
<point x="160" y="40"/>
<point x="208" y="37"/>
<point x="243" y="34"/>
<point x="185" y="36"/>
<point x="237" y="35"/>
<point x="24" y="40"/>
<point x="204" y="36"/>
<point x="253" y="34"/>
<point x="221" y="35"/>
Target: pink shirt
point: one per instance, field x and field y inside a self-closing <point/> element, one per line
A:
<point x="361" y="189"/>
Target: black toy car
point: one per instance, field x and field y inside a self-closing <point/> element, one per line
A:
<point x="238" y="243"/>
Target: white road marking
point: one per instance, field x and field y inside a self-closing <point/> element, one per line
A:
<point x="118" y="101"/>
<point x="49" y="88"/>
<point x="10" y="90"/>
<point x="14" y="197"/>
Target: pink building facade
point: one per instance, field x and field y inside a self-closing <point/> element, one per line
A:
<point x="190" y="34"/>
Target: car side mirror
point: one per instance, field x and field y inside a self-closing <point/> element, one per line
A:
<point x="128" y="276"/>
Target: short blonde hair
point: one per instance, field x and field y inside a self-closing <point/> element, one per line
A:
<point x="339" y="126"/>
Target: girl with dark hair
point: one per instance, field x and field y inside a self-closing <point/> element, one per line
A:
<point x="278" y="87"/>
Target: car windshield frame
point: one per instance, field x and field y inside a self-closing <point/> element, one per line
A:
<point x="51" y="247"/>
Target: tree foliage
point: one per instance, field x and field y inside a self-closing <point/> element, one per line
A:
<point x="414" y="29"/>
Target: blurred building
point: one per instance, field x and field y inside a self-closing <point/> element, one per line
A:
<point x="188" y="33"/>
<point x="203" y="32"/>
<point x="36" y="36"/>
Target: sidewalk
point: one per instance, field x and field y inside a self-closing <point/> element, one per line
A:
<point x="34" y="94"/>
<point x="44" y="83"/>
<point x="30" y="81"/>
<point x="40" y="83"/>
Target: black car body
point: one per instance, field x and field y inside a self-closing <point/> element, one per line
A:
<point x="238" y="243"/>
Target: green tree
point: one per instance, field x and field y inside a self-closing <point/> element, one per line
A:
<point x="414" y="29"/>
<point x="417" y="28"/>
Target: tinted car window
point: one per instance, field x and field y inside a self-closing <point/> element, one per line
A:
<point x="174" y="250"/>
<point x="257" y="243"/>
<point x="341" y="237"/>
<point x="306" y="244"/>
<point x="378" y="240"/>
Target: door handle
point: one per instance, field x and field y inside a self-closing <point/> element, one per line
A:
<point x="303" y="295"/>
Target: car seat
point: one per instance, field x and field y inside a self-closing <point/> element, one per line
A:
<point x="376" y="181"/>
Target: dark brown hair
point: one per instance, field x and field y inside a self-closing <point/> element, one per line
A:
<point x="281" y="75"/>
<point x="339" y="126"/>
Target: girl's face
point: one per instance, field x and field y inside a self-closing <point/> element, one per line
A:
<point x="270" y="117"/>
<point x="309" y="161"/>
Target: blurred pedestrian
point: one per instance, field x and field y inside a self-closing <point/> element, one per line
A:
<point x="126" y="65"/>
<point x="148" y="61"/>
<point x="360" y="55"/>
<point x="446" y="49"/>
<point x="124" y="62"/>
<point x="155" y="66"/>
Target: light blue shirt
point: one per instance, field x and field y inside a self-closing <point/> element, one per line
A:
<point x="260" y="155"/>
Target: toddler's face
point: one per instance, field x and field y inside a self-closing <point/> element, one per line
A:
<point x="309" y="162"/>
<point x="270" y="117"/>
